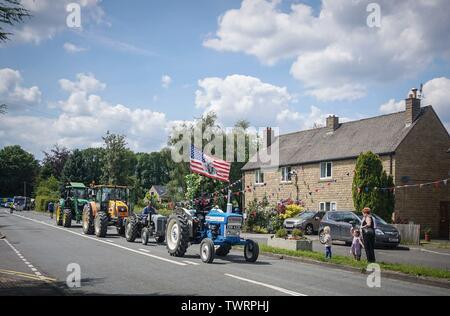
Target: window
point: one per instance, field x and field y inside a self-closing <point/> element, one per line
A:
<point x="325" y="170"/>
<point x="286" y="175"/>
<point x="259" y="177"/>
<point x="328" y="206"/>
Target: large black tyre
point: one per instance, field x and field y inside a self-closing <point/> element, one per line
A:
<point x="132" y="228"/>
<point x="207" y="250"/>
<point x="251" y="251"/>
<point x="58" y="216"/>
<point x="177" y="234"/>
<point x="309" y="230"/>
<point x="67" y="218"/>
<point x="88" y="220"/>
<point x="101" y="224"/>
<point x="223" y="251"/>
<point x="144" y="236"/>
<point x="160" y="239"/>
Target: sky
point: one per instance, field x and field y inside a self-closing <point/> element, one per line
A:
<point x="143" y="68"/>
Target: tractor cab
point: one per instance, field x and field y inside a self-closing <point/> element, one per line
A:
<point x="74" y="196"/>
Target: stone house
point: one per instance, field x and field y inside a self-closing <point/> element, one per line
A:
<point x="160" y="193"/>
<point x="317" y="166"/>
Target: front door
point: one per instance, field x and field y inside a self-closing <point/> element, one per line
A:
<point x="444" y="220"/>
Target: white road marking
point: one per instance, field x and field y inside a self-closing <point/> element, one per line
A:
<point x="191" y="263"/>
<point x="273" y="287"/>
<point x="103" y="241"/>
<point x="108" y="240"/>
<point x="29" y="265"/>
<point x="144" y="250"/>
<point x="435" y="252"/>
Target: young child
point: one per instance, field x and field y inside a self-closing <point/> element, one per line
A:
<point x="328" y="242"/>
<point x="357" y="244"/>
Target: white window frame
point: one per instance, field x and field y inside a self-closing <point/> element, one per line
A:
<point x="285" y="172"/>
<point x="324" y="204"/>
<point x="326" y="170"/>
<point x="258" y="174"/>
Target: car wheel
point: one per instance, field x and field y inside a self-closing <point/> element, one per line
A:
<point x="309" y="230"/>
<point x="322" y="237"/>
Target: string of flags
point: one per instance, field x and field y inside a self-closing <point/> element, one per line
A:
<point x="435" y="184"/>
<point x="207" y="197"/>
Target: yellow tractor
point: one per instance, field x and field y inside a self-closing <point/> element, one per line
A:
<point x="110" y="206"/>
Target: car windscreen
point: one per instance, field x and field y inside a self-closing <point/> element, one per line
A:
<point x="378" y="219"/>
<point x="306" y="215"/>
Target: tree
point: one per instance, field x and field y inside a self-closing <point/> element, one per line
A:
<point x="11" y="12"/>
<point x="368" y="181"/>
<point x="84" y="166"/>
<point x="18" y="168"/>
<point x="119" y="161"/>
<point x="3" y="109"/>
<point x="53" y="163"/>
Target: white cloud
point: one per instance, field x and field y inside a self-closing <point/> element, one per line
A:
<point x="49" y="18"/>
<point x="435" y="93"/>
<point x="335" y="50"/>
<point x="166" y="81"/>
<point x="83" y="119"/>
<point x="392" y="106"/>
<point x="241" y="97"/>
<point x="72" y="48"/>
<point x="13" y="93"/>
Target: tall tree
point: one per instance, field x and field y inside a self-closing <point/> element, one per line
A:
<point x="11" y="12"/>
<point x="119" y="163"/>
<point x="3" y="109"/>
<point x="54" y="161"/>
<point x="368" y="181"/>
<point x="18" y="171"/>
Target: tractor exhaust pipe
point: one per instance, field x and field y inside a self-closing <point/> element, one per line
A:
<point x="229" y="205"/>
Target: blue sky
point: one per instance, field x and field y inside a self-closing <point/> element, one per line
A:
<point x="266" y="61"/>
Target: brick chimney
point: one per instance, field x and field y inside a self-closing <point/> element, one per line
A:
<point x="412" y="107"/>
<point x="269" y="137"/>
<point x="332" y="123"/>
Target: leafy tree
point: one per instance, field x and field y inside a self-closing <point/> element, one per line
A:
<point x="54" y="162"/>
<point x="3" y="109"/>
<point x="368" y="179"/>
<point x="119" y="161"/>
<point x="17" y="168"/>
<point x="84" y="166"/>
<point x="11" y="12"/>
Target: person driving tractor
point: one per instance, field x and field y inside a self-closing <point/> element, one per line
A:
<point x="149" y="209"/>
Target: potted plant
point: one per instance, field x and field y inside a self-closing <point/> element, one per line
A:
<point x="296" y="241"/>
<point x="428" y="234"/>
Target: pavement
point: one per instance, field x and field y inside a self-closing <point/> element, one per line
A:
<point x="429" y="256"/>
<point x="114" y="266"/>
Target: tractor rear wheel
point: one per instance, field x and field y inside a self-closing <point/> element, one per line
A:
<point x="131" y="228"/>
<point x="144" y="236"/>
<point x="88" y="220"/>
<point x="59" y="219"/>
<point x="223" y="251"/>
<point x="251" y="251"/>
<point x="101" y="224"/>
<point x="177" y="235"/>
<point x="67" y="218"/>
<point x="207" y="250"/>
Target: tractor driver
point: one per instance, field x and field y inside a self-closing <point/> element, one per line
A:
<point x="149" y="209"/>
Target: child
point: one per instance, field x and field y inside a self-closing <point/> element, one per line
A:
<point x="357" y="244"/>
<point x="328" y="242"/>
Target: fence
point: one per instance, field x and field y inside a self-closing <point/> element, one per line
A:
<point x="410" y="233"/>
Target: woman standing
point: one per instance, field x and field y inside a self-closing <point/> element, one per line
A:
<point x="368" y="229"/>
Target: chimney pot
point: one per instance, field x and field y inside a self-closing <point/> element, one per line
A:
<point x="413" y="107"/>
<point x="333" y="122"/>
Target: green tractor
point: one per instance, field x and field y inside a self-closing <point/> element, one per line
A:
<point x="74" y="196"/>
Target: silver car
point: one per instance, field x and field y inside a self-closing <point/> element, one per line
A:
<point x="307" y="221"/>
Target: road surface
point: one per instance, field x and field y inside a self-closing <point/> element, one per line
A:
<point x="113" y="266"/>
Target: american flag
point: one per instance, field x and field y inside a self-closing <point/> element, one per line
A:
<point x="209" y="166"/>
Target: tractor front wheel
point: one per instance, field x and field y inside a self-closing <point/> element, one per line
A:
<point x="88" y="221"/>
<point x="223" y="251"/>
<point x="251" y="251"/>
<point x="120" y="230"/>
<point x="177" y="235"/>
<point x="131" y="228"/>
<point x="67" y="218"/>
<point x="144" y="236"/>
<point x="59" y="218"/>
<point x="160" y="239"/>
<point x="101" y="224"/>
<point x="207" y="250"/>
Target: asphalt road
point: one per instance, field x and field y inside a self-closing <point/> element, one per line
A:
<point x="113" y="266"/>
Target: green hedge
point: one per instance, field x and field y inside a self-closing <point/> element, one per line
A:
<point x="42" y="202"/>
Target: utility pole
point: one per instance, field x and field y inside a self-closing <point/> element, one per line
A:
<point x="25" y="189"/>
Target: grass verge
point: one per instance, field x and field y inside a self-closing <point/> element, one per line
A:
<point x="348" y="261"/>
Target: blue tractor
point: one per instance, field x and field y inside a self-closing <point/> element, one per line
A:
<point x="211" y="229"/>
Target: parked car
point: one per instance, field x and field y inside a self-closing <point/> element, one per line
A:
<point x="341" y="222"/>
<point x="308" y="221"/>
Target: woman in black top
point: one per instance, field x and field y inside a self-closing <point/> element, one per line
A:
<point x="368" y="229"/>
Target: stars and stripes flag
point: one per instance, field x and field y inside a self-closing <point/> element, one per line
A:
<point x="209" y="166"/>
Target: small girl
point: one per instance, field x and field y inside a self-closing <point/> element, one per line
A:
<point x="328" y="241"/>
<point x="357" y="244"/>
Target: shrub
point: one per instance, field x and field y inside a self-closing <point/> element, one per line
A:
<point x="42" y="202"/>
<point x="291" y="211"/>
<point x="297" y="233"/>
<point x="281" y="233"/>
<point x="259" y="230"/>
